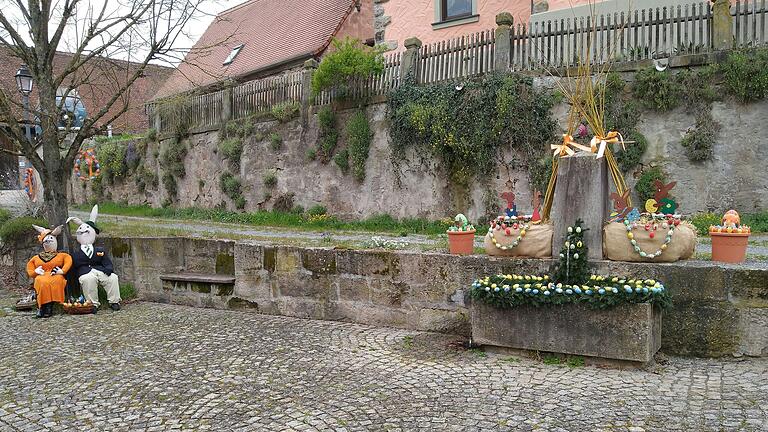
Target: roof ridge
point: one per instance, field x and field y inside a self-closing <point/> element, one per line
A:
<point x="233" y="8"/>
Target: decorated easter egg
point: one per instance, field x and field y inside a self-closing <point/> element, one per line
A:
<point x="651" y="206"/>
<point x="668" y="206"/>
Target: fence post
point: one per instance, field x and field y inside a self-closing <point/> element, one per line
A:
<point x="410" y="61"/>
<point x="306" y="88"/>
<point x="156" y="122"/>
<point x="722" y="25"/>
<point x="227" y="105"/>
<point x="503" y="47"/>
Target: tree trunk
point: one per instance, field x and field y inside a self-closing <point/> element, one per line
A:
<point x="55" y="186"/>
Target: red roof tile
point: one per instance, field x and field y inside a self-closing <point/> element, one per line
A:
<point x="273" y="31"/>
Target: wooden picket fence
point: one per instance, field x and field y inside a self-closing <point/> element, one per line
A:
<point x="641" y="34"/>
<point x="253" y="97"/>
<point x="461" y="57"/>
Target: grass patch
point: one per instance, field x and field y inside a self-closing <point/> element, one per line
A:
<point x="478" y="352"/>
<point x="575" y="361"/>
<point x="551" y="360"/>
<point x="380" y="223"/>
<point x="17" y="228"/>
<point x="408" y="342"/>
<point x="758" y="221"/>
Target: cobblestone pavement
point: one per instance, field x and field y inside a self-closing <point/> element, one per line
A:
<point x="160" y="367"/>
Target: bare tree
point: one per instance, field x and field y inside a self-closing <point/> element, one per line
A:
<point x="94" y="32"/>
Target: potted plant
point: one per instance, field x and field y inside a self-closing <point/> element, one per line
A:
<point x="461" y="236"/>
<point x="729" y="240"/>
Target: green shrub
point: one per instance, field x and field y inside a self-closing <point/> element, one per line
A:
<point x="275" y="141"/>
<point x="5" y="215"/>
<point x="230" y="185"/>
<point x="297" y="209"/>
<point x="347" y="60"/>
<point x="699" y="142"/>
<point x="467" y="129"/>
<point x="270" y="179"/>
<point x="703" y="221"/>
<point x="285" y="111"/>
<point x="151" y="135"/>
<point x="645" y="187"/>
<point x="328" y="136"/>
<point x="630" y="157"/>
<point x="341" y="159"/>
<point x="240" y="202"/>
<point x="111" y="155"/>
<point x="169" y="183"/>
<point x="359" y="136"/>
<point x="311" y="153"/>
<point x="326" y="119"/>
<point x="745" y="74"/>
<point x="284" y="203"/>
<point x="16" y="229"/>
<point x="317" y="210"/>
<point x="657" y="90"/>
<point x="172" y="157"/>
<point x="327" y="145"/>
<point x="232" y="149"/>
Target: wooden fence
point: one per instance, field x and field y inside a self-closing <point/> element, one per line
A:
<point x="257" y="96"/>
<point x="641" y="34"/>
<point x="461" y="57"/>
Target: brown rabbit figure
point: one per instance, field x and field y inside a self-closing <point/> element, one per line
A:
<point x="621" y="204"/>
<point x="662" y="190"/>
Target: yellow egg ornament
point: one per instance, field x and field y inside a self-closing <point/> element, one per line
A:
<point x="651" y="206"/>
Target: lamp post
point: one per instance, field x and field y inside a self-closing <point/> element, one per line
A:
<point x="24" y="83"/>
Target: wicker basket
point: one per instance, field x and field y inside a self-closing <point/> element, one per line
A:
<point x="78" y="309"/>
<point x="26" y="305"/>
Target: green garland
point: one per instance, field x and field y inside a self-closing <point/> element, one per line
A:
<point x="600" y="292"/>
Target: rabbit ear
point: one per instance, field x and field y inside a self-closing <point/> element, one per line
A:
<point x="94" y="213"/>
<point x="76" y="220"/>
<point x="625" y="195"/>
<point x="671" y="185"/>
<point x="40" y="229"/>
<point x="56" y="231"/>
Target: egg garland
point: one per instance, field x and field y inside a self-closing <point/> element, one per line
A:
<point x="651" y="226"/>
<point x="502" y="224"/>
<point x="94" y="167"/>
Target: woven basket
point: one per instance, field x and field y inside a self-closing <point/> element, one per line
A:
<point x="25" y="306"/>
<point x="78" y="310"/>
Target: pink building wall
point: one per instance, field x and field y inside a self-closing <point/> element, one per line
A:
<point x="415" y="17"/>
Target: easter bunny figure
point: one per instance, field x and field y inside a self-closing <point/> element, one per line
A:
<point x="92" y="265"/>
<point x="48" y="269"/>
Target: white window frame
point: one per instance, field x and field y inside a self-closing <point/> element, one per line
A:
<point x="233" y="54"/>
<point x="440" y="24"/>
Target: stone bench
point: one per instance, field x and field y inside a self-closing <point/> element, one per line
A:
<point x="216" y="284"/>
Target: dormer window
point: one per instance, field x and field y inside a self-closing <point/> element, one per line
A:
<point x="232" y="54"/>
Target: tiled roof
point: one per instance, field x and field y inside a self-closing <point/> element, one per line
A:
<point x="101" y="87"/>
<point x="272" y="31"/>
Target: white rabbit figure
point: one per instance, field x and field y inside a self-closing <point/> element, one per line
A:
<point x="92" y="265"/>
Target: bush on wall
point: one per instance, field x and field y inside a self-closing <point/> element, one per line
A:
<point x="699" y="141"/>
<point x="348" y="60"/>
<point x="745" y="74"/>
<point x="468" y="127"/>
<point x="359" y="142"/>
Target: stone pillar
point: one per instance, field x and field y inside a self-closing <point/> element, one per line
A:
<point x="306" y="88"/>
<point x="581" y="193"/>
<point x="722" y="25"/>
<point x="503" y="47"/>
<point x="226" y="106"/>
<point x="410" y="62"/>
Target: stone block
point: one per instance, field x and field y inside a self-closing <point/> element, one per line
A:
<point x="352" y="288"/>
<point x="388" y="293"/>
<point x="701" y="328"/>
<point x="368" y="263"/>
<point x="319" y="261"/>
<point x="248" y="258"/>
<point x="253" y="286"/>
<point x="159" y="253"/>
<point x="748" y="283"/>
<point x="304" y="285"/>
<point x="300" y="308"/>
<point x="753" y="325"/>
<point x="186" y="298"/>
<point x="444" y="321"/>
<point x="626" y="332"/>
<point x="237" y="303"/>
<point x="155" y="296"/>
<point x="287" y="260"/>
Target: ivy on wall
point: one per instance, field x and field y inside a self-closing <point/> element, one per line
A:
<point x="467" y="128"/>
<point x="358" y="143"/>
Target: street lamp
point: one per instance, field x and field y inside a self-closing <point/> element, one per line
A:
<point x="24" y="82"/>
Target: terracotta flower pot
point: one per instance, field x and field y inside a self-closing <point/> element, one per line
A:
<point x="729" y="247"/>
<point x="461" y="242"/>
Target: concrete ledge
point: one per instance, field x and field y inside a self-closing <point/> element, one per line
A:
<point x="627" y="332"/>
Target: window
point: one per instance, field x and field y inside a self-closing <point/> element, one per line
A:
<point x="233" y="54"/>
<point x="454" y="9"/>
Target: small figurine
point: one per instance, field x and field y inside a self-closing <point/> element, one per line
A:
<point x="536" y="218"/>
<point x="621" y="206"/>
<point x="48" y="269"/>
<point x="731" y="219"/>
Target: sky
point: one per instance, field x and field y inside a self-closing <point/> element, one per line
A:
<point x="195" y="28"/>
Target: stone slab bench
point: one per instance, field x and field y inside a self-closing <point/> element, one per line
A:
<point x="197" y="283"/>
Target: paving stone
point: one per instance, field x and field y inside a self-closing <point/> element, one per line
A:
<point x="157" y="367"/>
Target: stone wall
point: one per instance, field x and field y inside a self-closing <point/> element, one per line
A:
<point x="718" y="309"/>
<point x="733" y="178"/>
